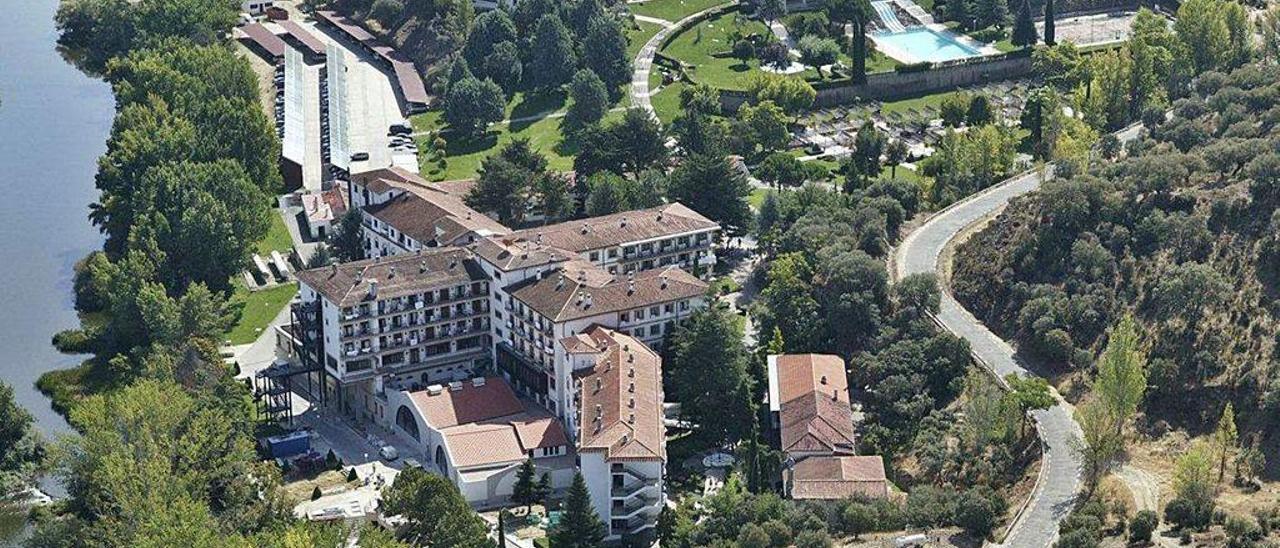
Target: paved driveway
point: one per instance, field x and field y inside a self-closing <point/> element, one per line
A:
<point x="1060" y="477"/>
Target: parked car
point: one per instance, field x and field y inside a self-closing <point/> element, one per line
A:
<point x="389" y="453"/>
<point x="360" y="157"/>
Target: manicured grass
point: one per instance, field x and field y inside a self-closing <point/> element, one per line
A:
<point x="757" y="197"/>
<point x="464" y="154"/>
<point x="706" y="51"/>
<point x="672" y="10"/>
<point x="277" y="239"/>
<point x="637" y="37"/>
<point x="256" y="309"/>
<point x="667" y="102"/>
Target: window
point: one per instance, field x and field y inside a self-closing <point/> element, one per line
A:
<point x="406" y="422"/>
<point x="655" y="330"/>
<point x="639" y="314"/>
<point x="668" y="308"/>
<point x="653" y="311"/>
<point x="595" y="256"/>
<point x="626" y="316"/>
<point x="613" y="253"/>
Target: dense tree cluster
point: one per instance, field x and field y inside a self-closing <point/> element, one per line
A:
<point x="734" y="516"/>
<point x="22" y="452"/>
<point x="165" y="454"/>
<point x="538" y="46"/>
<point x="1180" y="233"/>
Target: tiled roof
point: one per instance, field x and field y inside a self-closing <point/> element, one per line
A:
<point x="487" y="424"/>
<point x="619" y="228"/>
<point x="815" y="415"/>
<point x="831" y="478"/>
<point x="508" y="256"/>
<point x="423" y="212"/>
<point x="398" y="275"/>
<point x="621" y="399"/>
<point x="325" y="206"/>
<point x="581" y="290"/>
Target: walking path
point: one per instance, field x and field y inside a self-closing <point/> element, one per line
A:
<point x="1060" y="478"/>
<point x="643" y="62"/>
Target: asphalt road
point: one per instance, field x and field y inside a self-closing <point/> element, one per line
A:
<point x="1060" y="479"/>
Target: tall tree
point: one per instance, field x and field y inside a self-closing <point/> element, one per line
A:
<point x="434" y="510"/>
<point x="506" y="179"/>
<point x="604" y="51"/>
<point x="472" y="104"/>
<point x="491" y="28"/>
<point x="21" y="450"/>
<point x="590" y="101"/>
<point x="579" y="526"/>
<point x="711" y="186"/>
<point x="630" y="145"/>
<point x="1027" y="394"/>
<point x="1024" y="28"/>
<point x="895" y="153"/>
<point x="1050" y="34"/>
<point x="551" y="56"/>
<point x="525" y="490"/>
<point x="857" y="13"/>
<point x="709" y="376"/>
<point x="993" y="13"/>
<point x="1121" y="381"/>
<point x="1226" y="437"/>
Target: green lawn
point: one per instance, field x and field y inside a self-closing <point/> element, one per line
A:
<point x="902" y="105"/>
<point x="638" y="36"/>
<point x="705" y="51"/>
<point x="255" y="309"/>
<point x="463" y="154"/>
<point x="672" y="10"/>
<point x="757" y="197"/>
<point x="277" y="239"/>
<point x="667" y="102"/>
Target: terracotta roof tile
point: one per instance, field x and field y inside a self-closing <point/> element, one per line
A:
<point x="581" y="290"/>
<point x="424" y="211"/>
<point x="611" y="230"/>
<point x="839" y="477"/>
<point x="814" y="411"/>
<point x="469" y="404"/>
<point x="399" y="275"/>
<point x="621" y="399"/>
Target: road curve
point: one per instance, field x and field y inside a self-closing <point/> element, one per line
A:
<point x="643" y="63"/>
<point x="1060" y="478"/>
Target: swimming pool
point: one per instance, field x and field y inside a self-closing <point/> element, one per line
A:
<point x="921" y="44"/>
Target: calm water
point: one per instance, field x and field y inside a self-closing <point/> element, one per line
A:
<point x="54" y="122"/>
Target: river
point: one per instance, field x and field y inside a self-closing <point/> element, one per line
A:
<point x="54" y="122"/>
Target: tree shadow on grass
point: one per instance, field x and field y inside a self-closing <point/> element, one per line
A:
<point x="461" y="145"/>
<point x="535" y="103"/>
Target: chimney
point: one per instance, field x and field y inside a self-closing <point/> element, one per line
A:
<point x="560" y="283"/>
<point x="624" y="222"/>
<point x="391" y="273"/>
<point x="823" y="380"/>
<point x="588" y="303"/>
<point x="580" y="296"/>
<point x="664" y="281"/>
<point x="373" y="289"/>
<point x="453" y="261"/>
<point x="539" y="240"/>
<point x="333" y="271"/>
<point x="584" y="228"/>
<point x="422" y="267"/>
<point x="659" y="216"/>
<point x="582" y="276"/>
<point x="631" y="287"/>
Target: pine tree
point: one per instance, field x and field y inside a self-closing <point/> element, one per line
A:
<point x="1024" y="29"/>
<point x="1226" y="438"/>
<point x="580" y="526"/>
<point x="1049" y="24"/>
<point x="543" y="490"/>
<point x="525" y="491"/>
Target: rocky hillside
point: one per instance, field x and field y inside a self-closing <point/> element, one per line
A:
<point x="1182" y="231"/>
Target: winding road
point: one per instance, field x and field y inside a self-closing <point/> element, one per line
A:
<point x="920" y="251"/>
<point x="643" y="63"/>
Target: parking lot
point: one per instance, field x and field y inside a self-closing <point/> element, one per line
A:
<point x="371" y="106"/>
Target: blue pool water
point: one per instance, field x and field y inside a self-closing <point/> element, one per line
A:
<point x="926" y="44"/>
